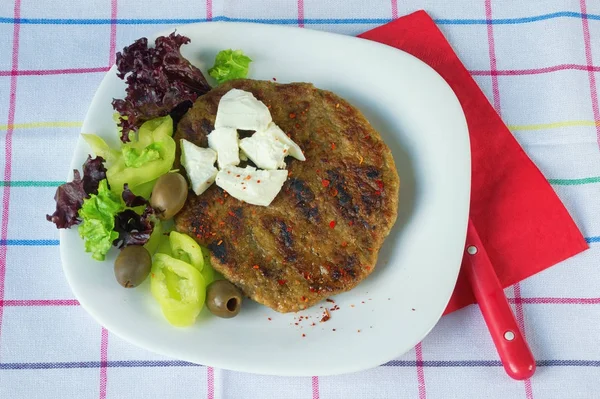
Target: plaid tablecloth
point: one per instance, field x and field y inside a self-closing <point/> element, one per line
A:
<point x="537" y="61"/>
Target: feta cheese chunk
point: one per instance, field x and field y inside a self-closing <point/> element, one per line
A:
<point x="224" y="141"/>
<point x="199" y="164"/>
<point x="256" y="187"/>
<point x="239" y="109"/>
<point x="279" y="135"/>
<point x="265" y="151"/>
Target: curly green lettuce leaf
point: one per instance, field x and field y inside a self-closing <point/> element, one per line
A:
<point x="135" y="158"/>
<point x="98" y="221"/>
<point x="230" y="64"/>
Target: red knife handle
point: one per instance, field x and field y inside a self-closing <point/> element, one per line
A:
<point x="513" y="350"/>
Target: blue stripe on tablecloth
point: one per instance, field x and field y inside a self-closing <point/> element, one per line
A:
<point x="29" y="243"/>
<point x="43" y="243"/>
<point x="179" y="363"/>
<point x="291" y="21"/>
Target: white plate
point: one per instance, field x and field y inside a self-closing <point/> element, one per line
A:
<point x="420" y="119"/>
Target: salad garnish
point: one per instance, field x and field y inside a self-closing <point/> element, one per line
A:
<point x="230" y="64"/>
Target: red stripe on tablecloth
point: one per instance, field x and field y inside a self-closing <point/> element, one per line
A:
<point x="394" y="9"/>
<point x="113" y="32"/>
<point x="210" y="381"/>
<point x="420" y="371"/>
<point x="475" y="72"/>
<point x="8" y="153"/>
<point x="103" y="362"/>
<point x="521" y="322"/>
<point x="492" y="53"/>
<point x="301" y="13"/>
<point x="556" y="301"/>
<point x="496" y="94"/>
<point x="535" y="71"/>
<point x="591" y="76"/>
<point x="209" y="10"/>
<point x="315" y="387"/>
<point x="41" y="72"/>
<point x="39" y="302"/>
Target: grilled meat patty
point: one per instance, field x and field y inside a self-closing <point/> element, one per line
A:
<point x="322" y="233"/>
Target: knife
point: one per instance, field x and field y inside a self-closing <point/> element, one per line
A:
<point x="511" y="345"/>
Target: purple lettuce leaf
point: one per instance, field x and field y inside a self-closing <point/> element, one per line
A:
<point x="158" y="80"/>
<point x="70" y="196"/>
<point x="133" y="229"/>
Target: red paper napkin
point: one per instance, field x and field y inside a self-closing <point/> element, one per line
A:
<point x="522" y="223"/>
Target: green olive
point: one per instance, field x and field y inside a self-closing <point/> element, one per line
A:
<point x="169" y="195"/>
<point x="132" y="266"/>
<point x="223" y="299"/>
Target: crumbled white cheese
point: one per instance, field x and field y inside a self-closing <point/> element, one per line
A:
<point x="199" y="165"/>
<point x="265" y="151"/>
<point x="239" y="109"/>
<point x="256" y="187"/>
<point x="224" y="141"/>
<point x="275" y="131"/>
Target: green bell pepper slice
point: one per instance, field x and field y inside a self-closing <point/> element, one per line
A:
<point x="185" y="248"/>
<point x="179" y="288"/>
<point x="148" y="158"/>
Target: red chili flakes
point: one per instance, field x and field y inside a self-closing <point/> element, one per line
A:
<point x="318" y="171"/>
<point x="413" y="309"/>
<point x="313" y="324"/>
<point x="336" y="307"/>
<point x="282" y="282"/>
<point x="220" y="201"/>
<point x="332" y="224"/>
<point x="228" y="172"/>
<point x="312" y="289"/>
<point x="303" y="299"/>
<point x="379" y="184"/>
<point x="258" y="181"/>
<point x="248" y="177"/>
<point x="303" y="335"/>
<point x="350" y="223"/>
<point x="306" y="275"/>
<point x="284" y="150"/>
<point x="330" y="300"/>
<point x="344" y="244"/>
<point x="237" y="175"/>
<point x="333" y="146"/>
<point x="269" y="318"/>
<point x="292" y="115"/>
<point x="333" y="329"/>
<point x="274" y="80"/>
<point x="220" y="242"/>
<point x="325" y="183"/>
<point x="326" y="316"/>
<point x="297" y="125"/>
<point x="378" y="192"/>
<point x="367" y="137"/>
<point x="358" y="330"/>
<point x="362" y="301"/>
<point x="231" y="213"/>
<point x="243" y="188"/>
<point x="333" y="192"/>
<point x="256" y="267"/>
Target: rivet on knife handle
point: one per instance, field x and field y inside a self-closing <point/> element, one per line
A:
<point x="512" y="348"/>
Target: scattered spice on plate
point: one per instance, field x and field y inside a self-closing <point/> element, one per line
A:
<point x="326" y="316"/>
<point x="330" y="300"/>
